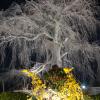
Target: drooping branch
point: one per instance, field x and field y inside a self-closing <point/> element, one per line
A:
<point x="54" y="31"/>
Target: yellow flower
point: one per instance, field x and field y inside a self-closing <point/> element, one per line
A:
<point x="24" y="71"/>
<point x="40" y="82"/>
<point x="67" y="70"/>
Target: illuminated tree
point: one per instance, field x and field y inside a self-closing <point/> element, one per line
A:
<point x="50" y="31"/>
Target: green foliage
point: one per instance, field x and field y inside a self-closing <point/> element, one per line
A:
<point x="22" y="96"/>
<point x="97" y="97"/>
<point x="54" y="78"/>
<point x="33" y="98"/>
<point x="12" y="96"/>
<point x="86" y="97"/>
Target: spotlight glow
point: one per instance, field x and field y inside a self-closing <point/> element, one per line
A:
<point x="83" y="86"/>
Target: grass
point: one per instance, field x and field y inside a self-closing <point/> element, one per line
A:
<point x="22" y="96"/>
<point x="12" y="96"/>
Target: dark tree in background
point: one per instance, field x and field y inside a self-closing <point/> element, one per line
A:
<point x="61" y="32"/>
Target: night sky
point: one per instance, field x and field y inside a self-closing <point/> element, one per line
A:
<point x="4" y="4"/>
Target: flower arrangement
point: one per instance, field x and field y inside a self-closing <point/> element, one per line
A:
<point x="69" y="89"/>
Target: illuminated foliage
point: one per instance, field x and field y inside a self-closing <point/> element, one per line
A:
<point x="38" y="87"/>
<point x="70" y="90"/>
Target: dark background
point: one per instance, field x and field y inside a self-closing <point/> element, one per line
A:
<point x="4" y="4"/>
